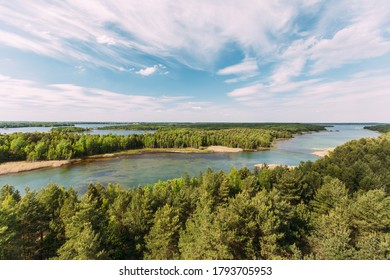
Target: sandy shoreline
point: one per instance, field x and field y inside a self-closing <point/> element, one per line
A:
<point x="272" y="165"/>
<point x="320" y="152"/>
<point x="20" y="166"/>
<point x="223" y="149"/>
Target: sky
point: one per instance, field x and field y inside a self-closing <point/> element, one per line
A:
<point x="195" y="60"/>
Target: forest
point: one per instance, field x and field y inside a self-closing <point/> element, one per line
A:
<point x="383" y="128"/>
<point x="337" y="207"/>
<point x="68" y="143"/>
<point x="290" y="127"/>
<point x="33" y="124"/>
<point x="69" y="129"/>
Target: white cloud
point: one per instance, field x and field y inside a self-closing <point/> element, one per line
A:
<point x="356" y="36"/>
<point x="192" y="32"/>
<point x="245" y="91"/>
<point x="362" y="97"/>
<point x="24" y="99"/>
<point x="353" y="43"/>
<point x="106" y="40"/>
<point x="147" y="71"/>
<point x="248" y="68"/>
<point x="245" y="67"/>
<point x="287" y="70"/>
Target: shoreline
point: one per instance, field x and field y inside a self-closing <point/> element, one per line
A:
<point x="273" y="165"/>
<point x="23" y="166"/>
<point x="321" y="152"/>
<point x="224" y="149"/>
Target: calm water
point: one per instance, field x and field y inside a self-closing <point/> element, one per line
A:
<point x="144" y="169"/>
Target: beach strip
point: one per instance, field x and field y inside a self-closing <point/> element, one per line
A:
<point x="223" y="149"/>
<point x="21" y="166"/>
<point x="321" y="152"/>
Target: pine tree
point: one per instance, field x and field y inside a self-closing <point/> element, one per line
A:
<point x="331" y="237"/>
<point x="202" y="239"/>
<point x="371" y="220"/>
<point x="273" y="214"/>
<point x="52" y="199"/>
<point x="85" y="245"/>
<point x="10" y="239"/>
<point x="163" y="238"/>
<point x="33" y="224"/>
<point x="331" y="194"/>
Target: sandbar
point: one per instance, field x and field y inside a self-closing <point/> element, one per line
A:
<point x="223" y="149"/>
<point x="272" y="165"/>
<point x="20" y="166"/>
<point x="322" y="152"/>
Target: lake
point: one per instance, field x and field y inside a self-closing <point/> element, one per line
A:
<point x="134" y="170"/>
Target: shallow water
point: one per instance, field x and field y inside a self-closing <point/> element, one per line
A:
<point x="134" y="170"/>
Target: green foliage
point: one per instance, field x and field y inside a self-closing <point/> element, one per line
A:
<point x="360" y="164"/>
<point x="383" y="128"/>
<point x="162" y="240"/>
<point x="69" y="129"/>
<point x="84" y="246"/>
<point x="33" y="124"/>
<point x="290" y="127"/>
<point x="332" y="236"/>
<point x="32" y="224"/>
<point x="10" y="239"/>
<point x="203" y="237"/>
<point x="333" y="193"/>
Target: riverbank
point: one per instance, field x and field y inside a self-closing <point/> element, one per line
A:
<point x="21" y="166"/>
<point x="272" y="165"/>
<point x="149" y="151"/>
<point x="223" y="149"/>
<point x="322" y="152"/>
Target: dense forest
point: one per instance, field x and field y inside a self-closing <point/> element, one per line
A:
<point x="63" y="143"/>
<point x="290" y="127"/>
<point x="18" y="124"/>
<point x="383" y="128"/>
<point x="69" y="129"/>
<point x="337" y="207"/>
<point x="33" y="124"/>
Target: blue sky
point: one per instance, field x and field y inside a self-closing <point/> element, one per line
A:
<point x="195" y="60"/>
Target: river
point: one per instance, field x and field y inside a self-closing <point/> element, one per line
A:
<point x="134" y="170"/>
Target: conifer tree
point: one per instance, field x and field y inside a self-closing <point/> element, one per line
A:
<point x="163" y="238"/>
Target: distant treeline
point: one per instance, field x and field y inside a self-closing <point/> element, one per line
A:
<point x="33" y="124"/>
<point x="17" y="124"/>
<point x="70" y="129"/>
<point x="62" y="144"/>
<point x="383" y="128"/>
<point x="335" y="208"/>
<point x="290" y="127"/>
